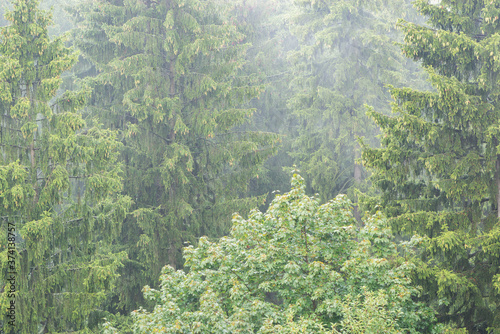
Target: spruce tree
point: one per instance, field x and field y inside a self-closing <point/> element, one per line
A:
<point x="167" y="76"/>
<point x="345" y="58"/>
<point x="439" y="167"/>
<point x="266" y="25"/>
<point x="58" y="182"/>
<point x="61" y="19"/>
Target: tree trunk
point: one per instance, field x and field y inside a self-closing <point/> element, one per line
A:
<point x="171" y="75"/>
<point x="357" y="171"/>
<point x="31" y="96"/>
<point x="357" y="180"/>
<point x="498" y="185"/>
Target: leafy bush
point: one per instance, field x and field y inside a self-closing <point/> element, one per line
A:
<point x="300" y="267"/>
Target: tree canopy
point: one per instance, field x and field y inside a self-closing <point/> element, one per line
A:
<point x="299" y="267"/>
<point x="167" y="76"/>
<point x="439" y="165"/>
<point x="59" y="184"/>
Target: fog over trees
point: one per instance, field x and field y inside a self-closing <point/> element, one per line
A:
<point x="249" y="166"/>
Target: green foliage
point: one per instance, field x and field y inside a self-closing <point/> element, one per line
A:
<point x="266" y="25"/>
<point x="61" y="23"/>
<point x="439" y="167"/>
<point x="299" y="267"/>
<point x="169" y="79"/>
<point x="59" y="180"/>
<point x="345" y="58"/>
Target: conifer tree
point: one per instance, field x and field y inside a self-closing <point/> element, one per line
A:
<point x="266" y="25"/>
<point x="58" y="182"/>
<point x="168" y="78"/>
<point x="3" y="22"/>
<point x="439" y="167"/>
<point x="346" y="56"/>
<point x="61" y="19"/>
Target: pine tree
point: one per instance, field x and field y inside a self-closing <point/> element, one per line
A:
<point x="58" y="182"/>
<point x="61" y="19"/>
<point x="3" y="21"/>
<point x="167" y="76"/>
<point x="266" y="25"/>
<point x="439" y="167"/>
<point x="346" y="56"/>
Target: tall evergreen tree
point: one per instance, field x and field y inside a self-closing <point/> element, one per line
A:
<point x="61" y="19"/>
<point x="266" y="25"/>
<point x="439" y="167"/>
<point x="346" y="56"/>
<point x="167" y="76"/>
<point x="3" y="8"/>
<point x="58" y="182"/>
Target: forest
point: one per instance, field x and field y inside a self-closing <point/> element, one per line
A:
<point x="249" y="166"/>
